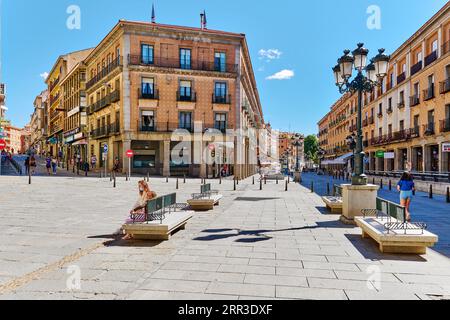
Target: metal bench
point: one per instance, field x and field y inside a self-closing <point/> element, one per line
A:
<point x="163" y="216"/>
<point x="206" y="199"/>
<point x="387" y="225"/>
<point x="334" y="203"/>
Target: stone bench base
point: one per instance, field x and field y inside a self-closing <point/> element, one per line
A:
<point x="334" y="204"/>
<point x="155" y="230"/>
<point x="205" y="204"/>
<point x="413" y="242"/>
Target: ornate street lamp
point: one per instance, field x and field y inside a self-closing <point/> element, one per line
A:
<point x="367" y="79"/>
<point x="297" y="142"/>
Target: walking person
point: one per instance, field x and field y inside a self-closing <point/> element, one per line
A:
<point x="406" y="187"/>
<point x="93" y="161"/>
<point x="48" y="163"/>
<point x="33" y="164"/>
<point x="54" y="165"/>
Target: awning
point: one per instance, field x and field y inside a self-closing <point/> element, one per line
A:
<point x="341" y="160"/>
<point x="80" y="143"/>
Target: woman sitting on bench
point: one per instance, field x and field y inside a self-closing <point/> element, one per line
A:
<point x="139" y="209"/>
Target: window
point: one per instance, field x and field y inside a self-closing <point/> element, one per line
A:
<point x="220" y="121"/>
<point x="220" y="92"/>
<point x="147" y="54"/>
<point x="185" y="59"/>
<point x="220" y="61"/>
<point x="185" y="121"/>
<point x="434" y="46"/>
<point x="430" y="81"/>
<point x="402" y="97"/>
<point x="148" y="120"/>
<point x="143" y="162"/>
<point x="380" y="132"/>
<point x="404" y="67"/>
<point x="148" y="87"/>
<point x="416" y="121"/>
<point x="431" y="117"/>
<point x="416" y="89"/>
<point x="185" y="90"/>
<point x="380" y="109"/>
<point x="390" y="103"/>
<point x="118" y="54"/>
<point x="402" y="125"/>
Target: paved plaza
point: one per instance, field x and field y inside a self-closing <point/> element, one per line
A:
<point x="268" y="244"/>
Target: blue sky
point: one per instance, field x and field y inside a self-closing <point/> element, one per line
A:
<point x="300" y="39"/>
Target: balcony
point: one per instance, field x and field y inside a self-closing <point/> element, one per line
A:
<point x="365" y="122"/>
<point x="428" y="94"/>
<point x="153" y="95"/>
<point x="226" y="99"/>
<point x="186" y="97"/>
<point x="414" y="100"/>
<point x="416" y="68"/>
<point x="444" y="86"/>
<point x="371" y="120"/>
<point x="380" y="114"/>
<point x="198" y="65"/>
<point x="445" y="48"/>
<point x="401" y="78"/>
<point x="428" y="129"/>
<point x="390" y="138"/>
<point x="104" y="102"/>
<point x="414" y="132"/>
<point x="430" y="58"/>
<point x="53" y="99"/>
<point x="167" y="127"/>
<point x="105" y="131"/>
<point x="389" y="110"/>
<point x="445" y="125"/>
<point x="401" y="104"/>
<point x="53" y="84"/>
<point x="104" y="72"/>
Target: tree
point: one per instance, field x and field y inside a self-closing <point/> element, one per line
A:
<point x="312" y="148"/>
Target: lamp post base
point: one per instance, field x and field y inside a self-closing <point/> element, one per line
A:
<point x="297" y="177"/>
<point x="360" y="180"/>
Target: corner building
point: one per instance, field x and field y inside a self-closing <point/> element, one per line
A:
<point x="146" y="80"/>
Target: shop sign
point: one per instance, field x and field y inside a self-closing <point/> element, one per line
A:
<point x="69" y="139"/>
<point x="389" y="155"/>
<point x="379" y="154"/>
<point x="446" y="147"/>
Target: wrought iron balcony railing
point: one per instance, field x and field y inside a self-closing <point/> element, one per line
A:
<point x="401" y="78"/>
<point x="445" y="47"/>
<point x="444" y="86"/>
<point x="414" y="100"/>
<point x="105" y="131"/>
<point x="104" y="102"/>
<point x="428" y="94"/>
<point x="401" y="104"/>
<point x="428" y="129"/>
<point x="194" y="64"/>
<point x="186" y="97"/>
<point x="416" y="68"/>
<point x="431" y="58"/>
<point x="445" y="125"/>
<point x="153" y="95"/>
<point x="226" y="99"/>
<point x="165" y="127"/>
<point x="113" y="65"/>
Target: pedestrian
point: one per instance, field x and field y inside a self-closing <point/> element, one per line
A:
<point x="48" y="163"/>
<point x="138" y="213"/>
<point x="60" y="157"/>
<point x="93" y="161"/>
<point x="406" y="187"/>
<point x="54" y="165"/>
<point x="33" y="164"/>
<point x="116" y="167"/>
<point x="27" y="165"/>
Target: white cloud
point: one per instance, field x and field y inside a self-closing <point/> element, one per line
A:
<point x="44" y="75"/>
<point x="270" y="54"/>
<point x="282" y="75"/>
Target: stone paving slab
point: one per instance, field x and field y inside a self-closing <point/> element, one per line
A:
<point x="268" y="244"/>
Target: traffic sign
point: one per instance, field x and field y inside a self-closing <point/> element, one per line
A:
<point x="2" y="144"/>
<point x="130" y="154"/>
<point x="105" y="148"/>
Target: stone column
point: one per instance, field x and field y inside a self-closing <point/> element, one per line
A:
<point x="441" y="159"/>
<point x="355" y="199"/>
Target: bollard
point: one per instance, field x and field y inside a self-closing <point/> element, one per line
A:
<point x="381" y="184"/>
<point x="328" y="188"/>
<point x="253" y="180"/>
<point x="277" y="180"/>
<point x="178" y="186"/>
<point x="286" y="188"/>
<point x="234" y="184"/>
<point x="237" y="181"/>
<point x="148" y="176"/>
<point x="431" y="191"/>
<point x="312" y="187"/>
<point x="448" y="195"/>
<point x="167" y="179"/>
<point x="115" y="180"/>
<point x="390" y="185"/>
<point x="184" y="179"/>
<point x="220" y="179"/>
<point x="265" y="180"/>
<point x="260" y="184"/>
<point x="29" y="176"/>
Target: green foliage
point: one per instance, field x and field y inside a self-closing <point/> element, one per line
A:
<point x="312" y="148"/>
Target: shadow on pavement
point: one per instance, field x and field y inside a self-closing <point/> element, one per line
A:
<point x="369" y="249"/>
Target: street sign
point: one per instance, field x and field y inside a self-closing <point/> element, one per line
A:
<point x="105" y="148"/>
<point x="130" y="154"/>
<point x="389" y="155"/>
<point x="2" y="144"/>
<point x="379" y="154"/>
